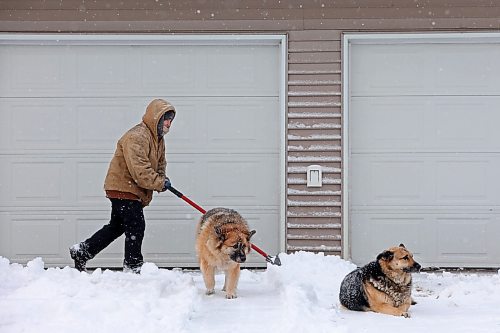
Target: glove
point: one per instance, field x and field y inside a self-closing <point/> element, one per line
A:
<point x="167" y="184"/>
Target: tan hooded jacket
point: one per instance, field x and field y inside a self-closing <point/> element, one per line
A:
<point x="139" y="165"/>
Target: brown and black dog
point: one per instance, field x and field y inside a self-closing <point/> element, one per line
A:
<point x="223" y="242"/>
<point x="383" y="285"/>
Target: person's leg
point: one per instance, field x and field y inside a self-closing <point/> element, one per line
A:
<point x="134" y="225"/>
<point x="109" y="232"/>
<point x="89" y="248"/>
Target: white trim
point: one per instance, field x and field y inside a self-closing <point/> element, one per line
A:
<point x="415" y="38"/>
<point x="284" y="141"/>
<point x="385" y="38"/>
<point x="346" y="253"/>
<point x="177" y="39"/>
<point x="185" y="39"/>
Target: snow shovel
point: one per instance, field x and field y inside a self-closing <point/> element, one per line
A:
<point x="274" y="261"/>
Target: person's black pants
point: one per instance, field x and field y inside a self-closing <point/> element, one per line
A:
<point x="126" y="217"/>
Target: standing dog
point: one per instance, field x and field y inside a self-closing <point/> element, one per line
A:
<point x="223" y="242"/>
<point x="383" y="285"/>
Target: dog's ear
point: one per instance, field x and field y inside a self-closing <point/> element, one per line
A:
<point x="402" y="245"/>
<point x="386" y="255"/>
<point x="220" y="234"/>
<point x="251" y="234"/>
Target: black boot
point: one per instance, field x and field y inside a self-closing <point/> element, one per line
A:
<point x="135" y="270"/>
<point x="79" y="254"/>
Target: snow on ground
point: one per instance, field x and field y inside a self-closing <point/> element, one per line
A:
<point x="300" y="296"/>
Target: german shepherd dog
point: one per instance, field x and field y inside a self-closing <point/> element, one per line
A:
<point x="222" y="243"/>
<point x="383" y="285"/>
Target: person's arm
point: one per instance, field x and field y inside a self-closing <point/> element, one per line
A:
<point x="162" y="169"/>
<point x="162" y="164"/>
<point x="136" y="153"/>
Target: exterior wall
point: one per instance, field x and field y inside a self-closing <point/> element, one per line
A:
<point x="314" y="28"/>
<point x="314" y="125"/>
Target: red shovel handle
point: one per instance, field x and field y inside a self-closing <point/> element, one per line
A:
<point x="183" y="197"/>
<point x="193" y="204"/>
<point x="262" y="253"/>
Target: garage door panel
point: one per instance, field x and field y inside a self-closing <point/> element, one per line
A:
<point x="232" y="179"/>
<point x="37" y="181"/>
<point x="26" y="122"/>
<point x="251" y="125"/>
<point x="146" y="70"/>
<point x="221" y="180"/>
<point x="386" y="124"/>
<point x="208" y="70"/>
<point x="425" y="180"/>
<point x="436" y="239"/>
<point x="218" y="131"/>
<point x="267" y="231"/>
<point x="183" y="172"/>
<point x="463" y="236"/>
<point x="466" y="124"/>
<point x="370" y="75"/>
<point x="425" y="124"/>
<point x="236" y="70"/>
<point x="90" y="181"/>
<point x="31" y="234"/>
<point x="229" y="124"/>
<point x="97" y="123"/>
<point x="108" y="70"/>
<point x="380" y="231"/>
<point x="60" y="124"/>
<point x="48" y="181"/>
<point x="19" y="71"/>
<point x="453" y="75"/>
<point x="235" y="180"/>
<point x="5" y="232"/>
<point x="466" y="181"/>
<point x="424" y="69"/>
<point x="28" y="125"/>
<point x="181" y="232"/>
<point x="387" y="180"/>
<point x="32" y="238"/>
<point x="173" y="70"/>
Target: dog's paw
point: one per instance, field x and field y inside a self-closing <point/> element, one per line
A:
<point x="231" y="296"/>
<point x="406" y="314"/>
<point x="210" y="292"/>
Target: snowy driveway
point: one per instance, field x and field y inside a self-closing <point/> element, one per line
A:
<point x="299" y="296"/>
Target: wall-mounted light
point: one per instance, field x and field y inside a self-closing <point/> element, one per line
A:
<point x="314" y="176"/>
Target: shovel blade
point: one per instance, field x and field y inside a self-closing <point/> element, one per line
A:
<point x="274" y="261"/>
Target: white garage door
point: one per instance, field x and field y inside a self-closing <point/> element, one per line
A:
<point x="64" y="106"/>
<point x="425" y="149"/>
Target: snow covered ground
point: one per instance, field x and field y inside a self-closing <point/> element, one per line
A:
<point x="299" y="296"/>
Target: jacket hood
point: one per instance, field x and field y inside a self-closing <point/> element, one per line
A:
<point x="154" y="113"/>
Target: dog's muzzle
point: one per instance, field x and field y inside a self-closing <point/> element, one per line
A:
<point x="238" y="257"/>
<point x="415" y="268"/>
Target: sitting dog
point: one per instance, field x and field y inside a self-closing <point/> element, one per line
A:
<point x="383" y="285"/>
<point x="223" y="242"/>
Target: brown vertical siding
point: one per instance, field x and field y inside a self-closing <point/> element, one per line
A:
<point x="315" y="28"/>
